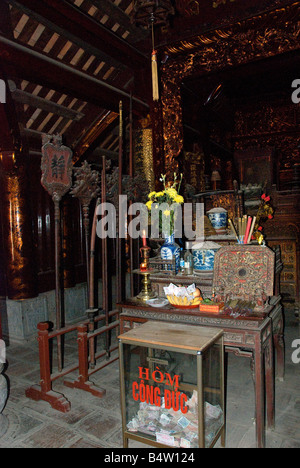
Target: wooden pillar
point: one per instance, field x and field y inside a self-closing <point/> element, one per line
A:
<point x="21" y="276"/>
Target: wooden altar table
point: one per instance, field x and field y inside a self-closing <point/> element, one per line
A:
<point x="250" y="336"/>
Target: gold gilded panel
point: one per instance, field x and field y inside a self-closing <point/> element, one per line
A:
<point x="260" y="37"/>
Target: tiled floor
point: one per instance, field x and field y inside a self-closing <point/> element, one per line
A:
<point x="96" y="423"/>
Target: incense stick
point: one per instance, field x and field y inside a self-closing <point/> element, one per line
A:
<point x="247" y="230"/>
<point x="252" y="229"/>
<point x="233" y="229"/>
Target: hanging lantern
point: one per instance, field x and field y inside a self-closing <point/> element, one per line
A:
<point x="144" y="10"/>
<point x="150" y="13"/>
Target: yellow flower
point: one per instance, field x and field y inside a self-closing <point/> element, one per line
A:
<point x="179" y="199"/>
<point x="149" y="204"/>
<point x="167" y="213"/>
<point x="159" y="194"/>
<point x="151" y="194"/>
<point x="172" y="192"/>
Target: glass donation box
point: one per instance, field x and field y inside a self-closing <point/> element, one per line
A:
<point x="172" y="385"/>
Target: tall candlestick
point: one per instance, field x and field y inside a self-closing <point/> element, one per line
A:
<point x="144" y="239"/>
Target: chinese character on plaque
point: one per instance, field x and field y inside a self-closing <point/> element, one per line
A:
<point x="57" y="166"/>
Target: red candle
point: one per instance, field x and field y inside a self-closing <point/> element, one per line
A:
<point x="144" y="239"/>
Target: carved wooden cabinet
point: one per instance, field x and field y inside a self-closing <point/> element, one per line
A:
<point x="284" y="231"/>
<point x="289" y="277"/>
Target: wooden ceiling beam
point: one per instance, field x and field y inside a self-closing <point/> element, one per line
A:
<point x="41" y="69"/>
<point x="107" y="7"/>
<point x="37" y="102"/>
<point x="87" y="143"/>
<point x="72" y="23"/>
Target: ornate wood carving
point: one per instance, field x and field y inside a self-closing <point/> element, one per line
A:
<point x="245" y="272"/>
<point x="263" y="36"/>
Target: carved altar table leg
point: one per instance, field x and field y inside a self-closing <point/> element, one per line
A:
<point x="259" y="393"/>
<point x="278" y="340"/>
<point x="270" y="390"/>
<point x="280" y="352"/>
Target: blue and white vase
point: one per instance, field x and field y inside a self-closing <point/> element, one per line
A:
<point x="170" y="250"/>
<point x="218" y="218"/>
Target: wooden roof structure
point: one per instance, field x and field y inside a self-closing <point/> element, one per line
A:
<point x="68" y="63"/>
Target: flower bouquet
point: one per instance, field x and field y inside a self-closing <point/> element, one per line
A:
<point x="167" y="202"/>
<point x="265" y="211"/>
<point x="169" y="199"/>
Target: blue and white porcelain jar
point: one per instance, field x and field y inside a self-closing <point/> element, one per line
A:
<point x="204" y="255"/>
<point x="218" y="218"/>
<point x="171" y="250"/>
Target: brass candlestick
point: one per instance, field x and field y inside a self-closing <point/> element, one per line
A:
<point x="146" y="292"/>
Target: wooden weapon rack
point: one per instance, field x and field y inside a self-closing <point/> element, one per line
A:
<point x="89" y="359"/>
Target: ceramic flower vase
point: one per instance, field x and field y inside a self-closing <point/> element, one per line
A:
<point x="170" y="250"/>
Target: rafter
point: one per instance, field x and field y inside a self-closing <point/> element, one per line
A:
<point x="93" y="133"/>
<point x="108" y="8"/>
<point x="72" y="23"/>
<point x="40" y="69"/>
<point x="34" y="101"/>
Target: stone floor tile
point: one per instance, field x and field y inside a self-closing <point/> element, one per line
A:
<point x="99" y="425"/>
<point x="84" y="443"/>
<point x="50" y="436"/>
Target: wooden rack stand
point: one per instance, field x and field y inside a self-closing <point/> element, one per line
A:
<point x="44" y="390"/>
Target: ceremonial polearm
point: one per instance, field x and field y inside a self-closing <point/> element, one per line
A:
<point x="57" y="167"/>
<point x="86" y="188"/>
<point x="120" y="189"/>
<point x="131" y="175"/>
<point x="105" y="303"/>
<point x="92" y="311"/>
